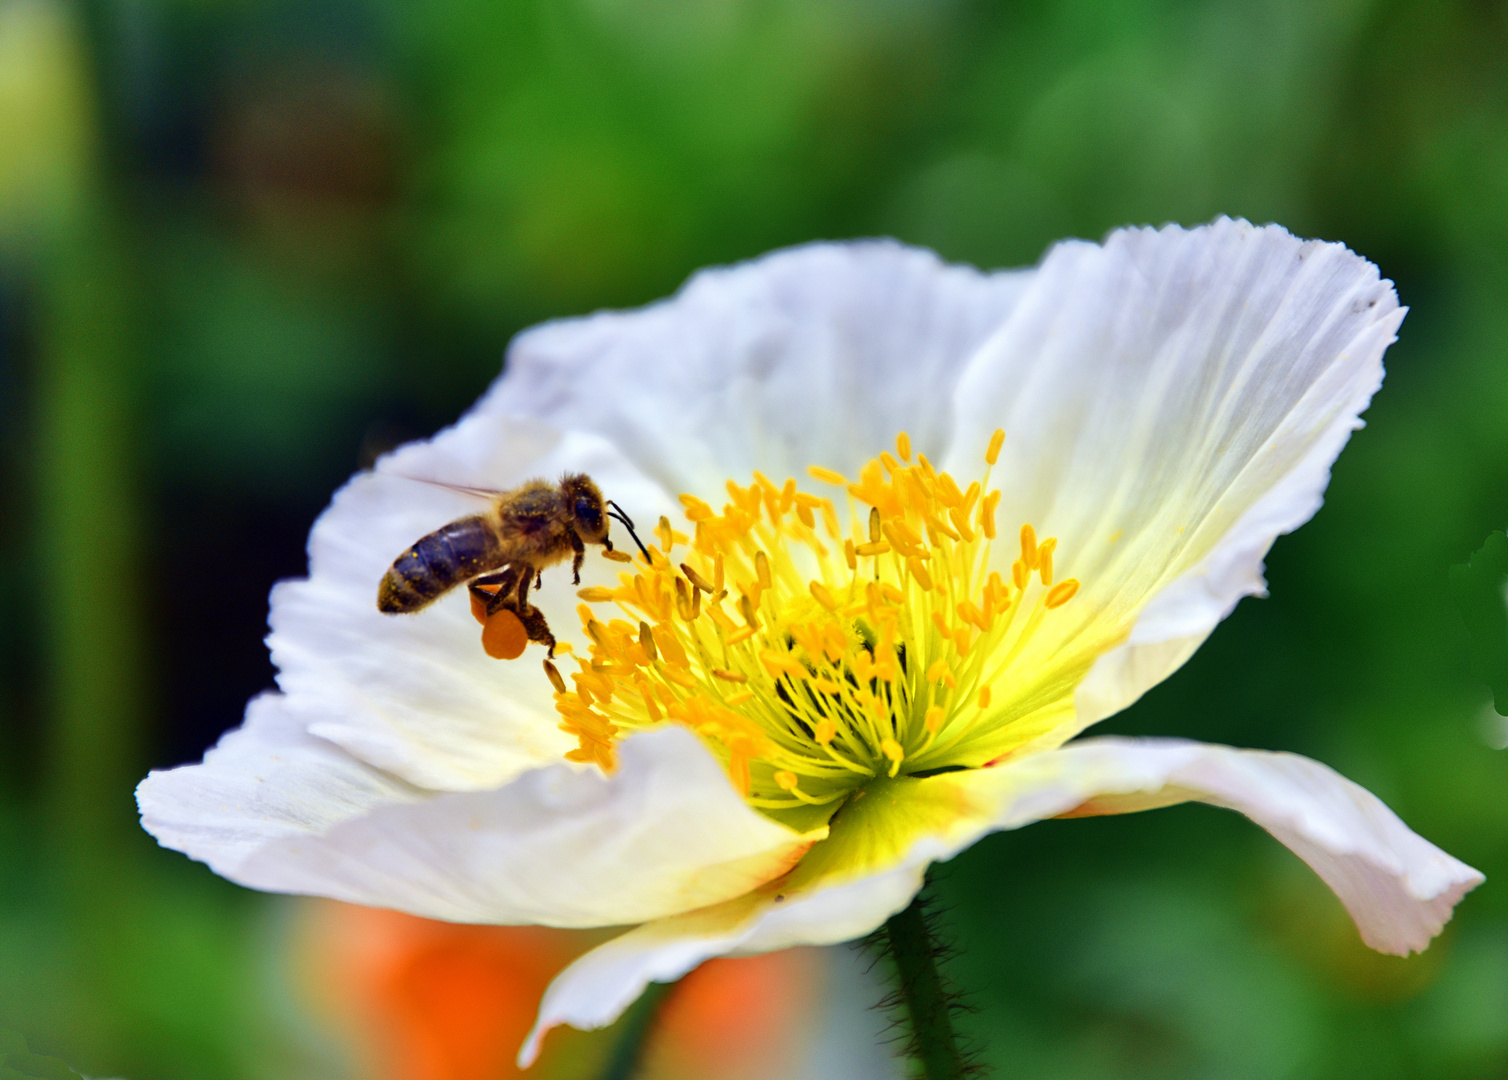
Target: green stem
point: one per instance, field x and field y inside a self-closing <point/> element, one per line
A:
<point x="629" y="1051"/>
<point x="922" y="991"/>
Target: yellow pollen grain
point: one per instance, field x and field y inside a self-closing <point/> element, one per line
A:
<point x="1061" y="593"/>
<point x="992" y="452"/>
<point x="903" y="446"/>
<point x="596" y="594"/>
<point x="827" y="476"/>
<point x="617" y="555"/>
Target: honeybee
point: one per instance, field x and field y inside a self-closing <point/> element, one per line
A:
<point x="501" y="553"/>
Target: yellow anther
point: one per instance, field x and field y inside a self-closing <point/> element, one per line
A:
<point x="874" y="524"/>
<point x="670" y="646"/>
<point x="850" y="555"/>
<point x="618" y="555"/>
<point x="987" y="513"/>
<point x="696" y="579"/>
<point x="1061" y="593"/>
<point x="933" y="721"/>
<point x="1028" y="549"/>
<point x="903" y="446"/>
<point x="921" y="459"/>
<point x="919" y="572"/>
<point x="786" y="780"/>
<point x="824" y="596"/>
<point x="765" y="482"/>
<point x="891" y="593"/>
<point x="992" y="452"/>
<point x="941" y="622"/>
<point x="746" y="609"/>
<point x="553" y="674"/>
<point x="738" y="637"/>
<point x="1044" y="559"/>
<point x="696" y="510"/>
<point x="962" y="640"/>
<point x="665" y="534"/>
<point x="729" y="676"/>
<point x="894" y="751"/>
<point x="888" y="460"/>
<point x="688" y="602"/>
<point x="740" y="698"/>
<point x="596" y="594"/>
<point x="762" y="569"/>
<point x="947" y="490"/>
<point x="804" y="513"/>
<point x="647" y="642"/>
<point x="778" y="665"/>
<point x="984" y="697"/>
<point x="864" y="551"/>
<point x="827" y="476"/>
<point x="1020" y="575"/>
<point x="938" y="669"/>
<point x="834" y="642"/>
<point x="826" y="730"/>
<point x="787" y="494"/>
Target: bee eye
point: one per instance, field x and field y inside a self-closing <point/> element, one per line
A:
<point x="587" y="511"/>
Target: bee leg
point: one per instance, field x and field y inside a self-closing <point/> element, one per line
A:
<point x="536" y="627"/>
<point x="505" y="580"/>
<point x="539" y="580"/>
<point x="580" y="550"/>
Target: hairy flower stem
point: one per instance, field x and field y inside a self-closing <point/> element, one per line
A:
<point x="927" y="999"/>
<point x="629" y="1050"/>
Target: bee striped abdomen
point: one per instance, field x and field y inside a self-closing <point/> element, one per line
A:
<point x="439" y="562"/>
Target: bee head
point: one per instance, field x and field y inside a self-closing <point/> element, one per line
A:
<point x="587" y="507"/>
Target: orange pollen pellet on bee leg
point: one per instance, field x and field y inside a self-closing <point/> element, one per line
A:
<point x="503" y="635"/>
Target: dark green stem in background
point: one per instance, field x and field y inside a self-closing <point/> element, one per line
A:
<point x="927" y="999"/>
<point x="640" y="1021"/>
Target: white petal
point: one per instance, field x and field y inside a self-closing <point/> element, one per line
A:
<point x="275" y="808"/>
<point x="415" y="694"/>
<point x="815" y="355"/>
<point x="1399" y="888"/>
<point x="1173" y="401"/>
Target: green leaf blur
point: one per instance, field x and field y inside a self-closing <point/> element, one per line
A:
<point x="1480" y="588"/>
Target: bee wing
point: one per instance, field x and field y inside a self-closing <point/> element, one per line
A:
<point x="479" y="492"/>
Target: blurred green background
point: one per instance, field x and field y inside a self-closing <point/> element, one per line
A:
<point x="246" y="245"/>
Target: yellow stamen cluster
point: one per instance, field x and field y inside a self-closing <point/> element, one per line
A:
<point x="811" y="659"/>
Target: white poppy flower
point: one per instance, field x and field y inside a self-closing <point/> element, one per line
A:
<point x="775" y="757"/>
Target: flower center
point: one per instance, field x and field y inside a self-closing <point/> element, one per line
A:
<point x="812" y="660"/>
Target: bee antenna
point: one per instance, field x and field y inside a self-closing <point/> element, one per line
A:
<point x="629" y="525"/>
